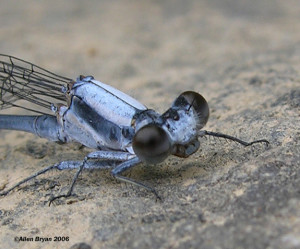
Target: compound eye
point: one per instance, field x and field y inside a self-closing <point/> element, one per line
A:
<point x="196" y="101"/>
<point x="151" y="144"/>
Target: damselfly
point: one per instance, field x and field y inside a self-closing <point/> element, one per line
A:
<point x="123" y="132"/>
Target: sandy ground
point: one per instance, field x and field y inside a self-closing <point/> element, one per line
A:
<point x="243" y="56"/>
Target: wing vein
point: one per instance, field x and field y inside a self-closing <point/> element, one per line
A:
<point x="22" y="80"/>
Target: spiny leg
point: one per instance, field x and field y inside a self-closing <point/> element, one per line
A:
<point x="61" y="166"/>
<point x="29" y="178"/>
<point x="72" y="184"/>
<point x="110" y="160"/>
<point x="217" y="134"/>
<point x="109" y="155"/>
<point x="126" y="165"/>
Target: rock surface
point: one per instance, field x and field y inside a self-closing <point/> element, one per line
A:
<point x="243" y="56"/>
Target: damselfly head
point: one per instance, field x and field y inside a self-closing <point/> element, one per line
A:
<point x="191" y="100"/>
<point x="152" y="144"/>
<point x="183" y="120"/>
<point x="174" y="132"/>
<point x="187" y="115"/>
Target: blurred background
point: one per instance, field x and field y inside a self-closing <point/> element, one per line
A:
<point x="165" y="45"/>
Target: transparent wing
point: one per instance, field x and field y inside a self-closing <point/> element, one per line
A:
<point x="22" y="80"/>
